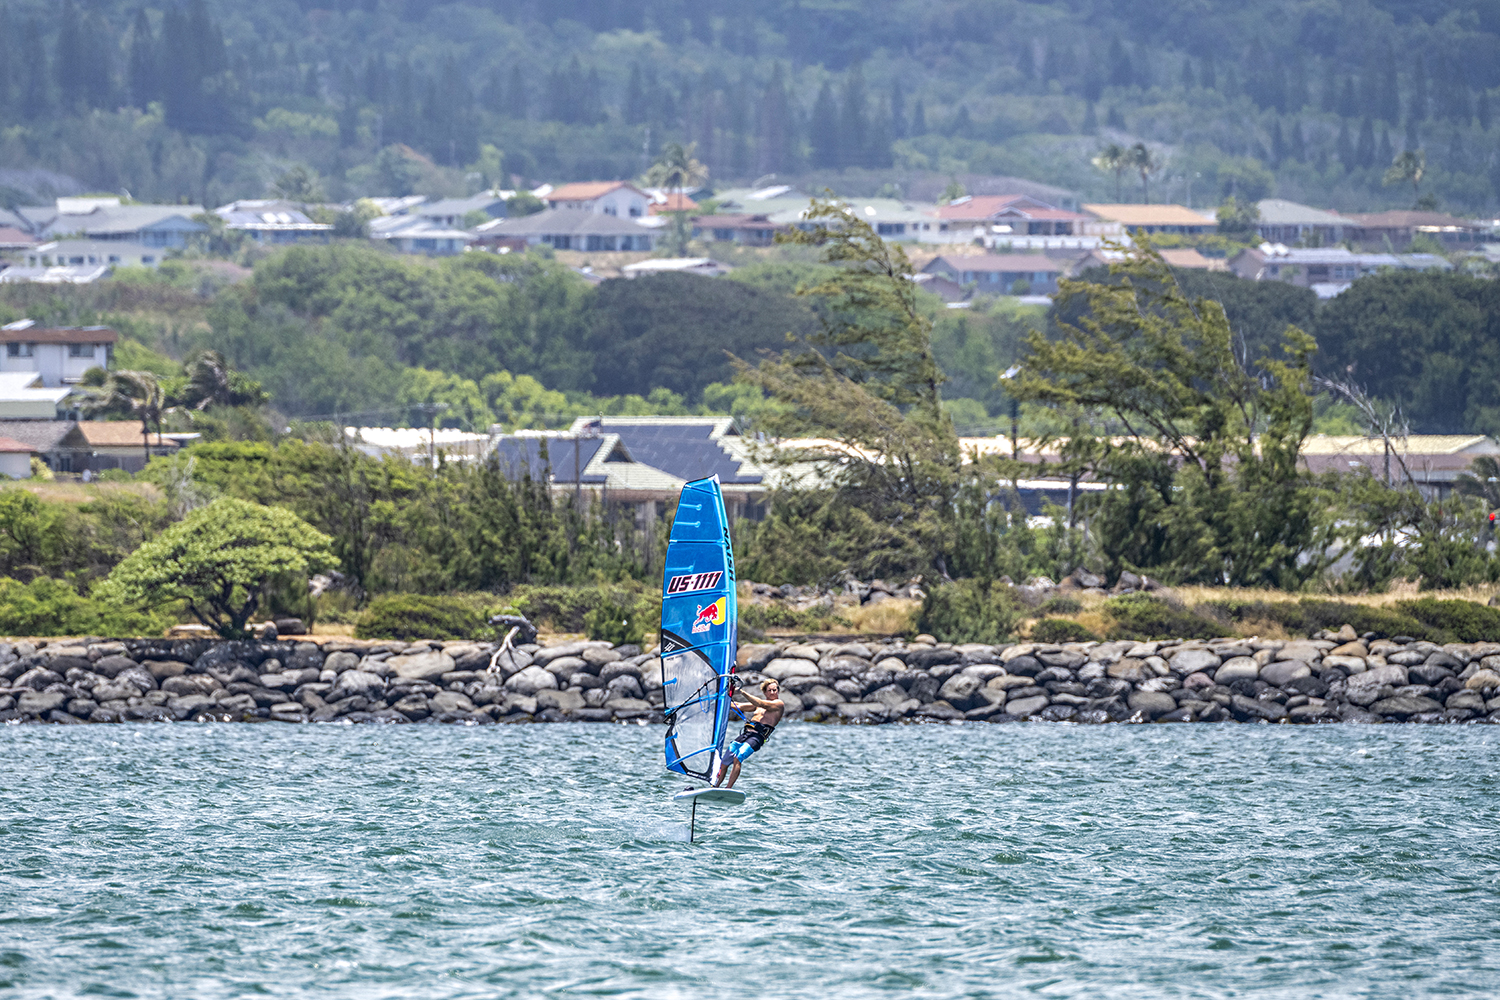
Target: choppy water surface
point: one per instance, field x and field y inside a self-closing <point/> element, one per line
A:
<point x="974" y="861"/>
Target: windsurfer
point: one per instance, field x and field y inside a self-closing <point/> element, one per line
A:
<point x="758" y="727"/>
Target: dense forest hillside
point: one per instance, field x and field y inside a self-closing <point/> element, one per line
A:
<point x="211" y="100"/>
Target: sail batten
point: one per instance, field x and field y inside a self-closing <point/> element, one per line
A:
<point x="699" y="630"/>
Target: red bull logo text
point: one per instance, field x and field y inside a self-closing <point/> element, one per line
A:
<point x="711" y="614"/>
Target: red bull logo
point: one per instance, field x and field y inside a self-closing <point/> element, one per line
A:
<point x="711" y="614"/>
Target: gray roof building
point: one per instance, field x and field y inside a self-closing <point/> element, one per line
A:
<point x="151" y="225"/>
<point x="573" y="229"/>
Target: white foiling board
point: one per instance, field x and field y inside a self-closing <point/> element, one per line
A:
<point x="728" y="796"/>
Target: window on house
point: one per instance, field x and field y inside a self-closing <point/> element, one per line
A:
<point x="147" y="259"/>
<point x="75" y="260"/>
<point x="114" y="258"/>
<point x="80" y="350"/>
<point x="635" y="212"/>
<point x="15" y="350"/>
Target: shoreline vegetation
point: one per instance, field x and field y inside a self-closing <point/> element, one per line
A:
<point x="1336" y="676"/>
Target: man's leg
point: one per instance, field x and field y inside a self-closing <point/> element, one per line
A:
<point x="734" y="773"/>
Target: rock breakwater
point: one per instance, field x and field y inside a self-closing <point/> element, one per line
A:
<point x="1332" y="678"/>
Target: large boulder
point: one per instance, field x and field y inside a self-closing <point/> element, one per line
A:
<point x="341" y="661"/>
<point x="1237" y="668"/>
<point x="1282" y="672"/>
<point x="753" y="656"/>
<point x="961" y="691"/>
<point x="1022" y="707"/>
<point x="530" y="681"/>
<point x="1402" y="706"/>
<point x="783" y="667"/>
<point x="1150" y="704"/>
<point x="564" y="701"/>
<point x="429" y="666"/>
<point x="352" y="683"/>
<point x="1190" y="661"/>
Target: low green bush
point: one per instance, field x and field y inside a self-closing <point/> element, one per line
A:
<point x="1060" y="630"/>
<point x="1060" y="606"/>
<point x="1142" y="616"/>
<point x="599" y="609"/>
<point x="53" y="607"/>
<point x="1466" y="621"/>
<point x="421" y="616"/>
<point x="969" y="611"/>
<point x="1310" y="615"/>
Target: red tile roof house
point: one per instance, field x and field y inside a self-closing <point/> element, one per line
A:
<point x="619" y="198"/>
<point x="999" y="273"/>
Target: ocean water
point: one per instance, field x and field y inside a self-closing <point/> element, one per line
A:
<point x="1027" y="860"/>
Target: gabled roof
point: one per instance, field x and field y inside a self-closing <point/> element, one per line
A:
<point x="521" y="453"/>
<point x="11" y="445"/>
<point x="984" y="206"/>
<point x="1150" y="215"/>
<point x="673" y="201"/>
<point x="1407" y="219"/>
<point x="589" y="190"/>
<point x="1280" y="212"/>
<point x="128" y="219"/>
<point x="268" y="216"/>
<point x="684" y="448"/>
<point x="563" y="222"/>
<point x="443" y="207"/>
<point x="998" y="262"/>
<point x="33" y="334"/>
<point x="43" y="435"/>
<point x="11" y="237"/>
<point x="119" y="434"/>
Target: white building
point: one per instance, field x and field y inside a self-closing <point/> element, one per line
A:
<point x="92" y="253"/>
<point x="60" y="355"/>
<point x="15" y="459"/>
<point x="618" y="198"/>
<point x="23" y="397"/>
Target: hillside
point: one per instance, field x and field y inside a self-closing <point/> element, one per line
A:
<point x="214" y="101"/>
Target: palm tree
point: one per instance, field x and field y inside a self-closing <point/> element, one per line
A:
<point x="1481" y="480"/>
<point x="136" y="393"/>
<point x="677" y="170"/>
<point x="1407" y="166"/>
<point x="1147" y="163"/>
<point x="211" y="382"/>
<point x="1113" y="158"/>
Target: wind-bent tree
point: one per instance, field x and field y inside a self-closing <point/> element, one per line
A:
<point x="219" y="561"/>
<point x="211" y="382"/>
<point x="1407" y="168"/>
<point x="135" y="393"/>
<point x="1113" y="158"/>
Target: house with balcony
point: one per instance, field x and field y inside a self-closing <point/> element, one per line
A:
<point x="58" y="355"/>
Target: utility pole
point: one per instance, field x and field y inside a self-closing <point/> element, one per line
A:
<point x="1015" y="413"/>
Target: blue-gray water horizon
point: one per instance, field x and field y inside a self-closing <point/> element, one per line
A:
<point x="926" y="861"/>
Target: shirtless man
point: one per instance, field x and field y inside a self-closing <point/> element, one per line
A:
<point x="757" y="730"/>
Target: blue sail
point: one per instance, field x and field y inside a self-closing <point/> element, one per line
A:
<point x="699" y="630"/>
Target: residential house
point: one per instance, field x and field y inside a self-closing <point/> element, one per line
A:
<point x="1326" y="270"/>
<point x="891" y="218"/>
<point x="573" y="229"/>
<point x="1182" y="257"/>
<point x="643" y="462"/>
<point x="1116" y="220"/>
<point x="271" y="222"/>
<point x="1287" y="222"/>
<point x="1000" y="274"/>
<point x="92" y="254"/>
<point x="706" y="266"/>
<point x="450" y="213"/>
<point x="60" y="355"/>
<point x="1434" y="460"/>
<point x="771" y="200"/>
<point x="943" y="287"/>
<point x="100" y="445"/>
<point x="13" y="239"/>
<point x="746" y="230"/>
<point x="15" y="458"/>
<point x="666" y="202"/>
<point x="1017" y="214"/>
<point x="106" y="219"/>
<point x="618" y="198"/>
<point x="56" y="442"/>
<point x="415" y="235"/>
<point x="1394" y="231"/>
<point x="24" y="397"/>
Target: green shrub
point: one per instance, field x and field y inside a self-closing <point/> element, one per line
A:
<point x="567" y="609"/>
<point x="620" y="618"/>
<point x="1465" y="620"/>
<point x="969" y="611"/>
<point x="1060" y="606"/>
<point x="52" y="607"/>
<point x="1141" y="616"/>
<point x="419" y="616"/>
<point x="1311" y="615"/>
<point x="1060" y="630"/>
